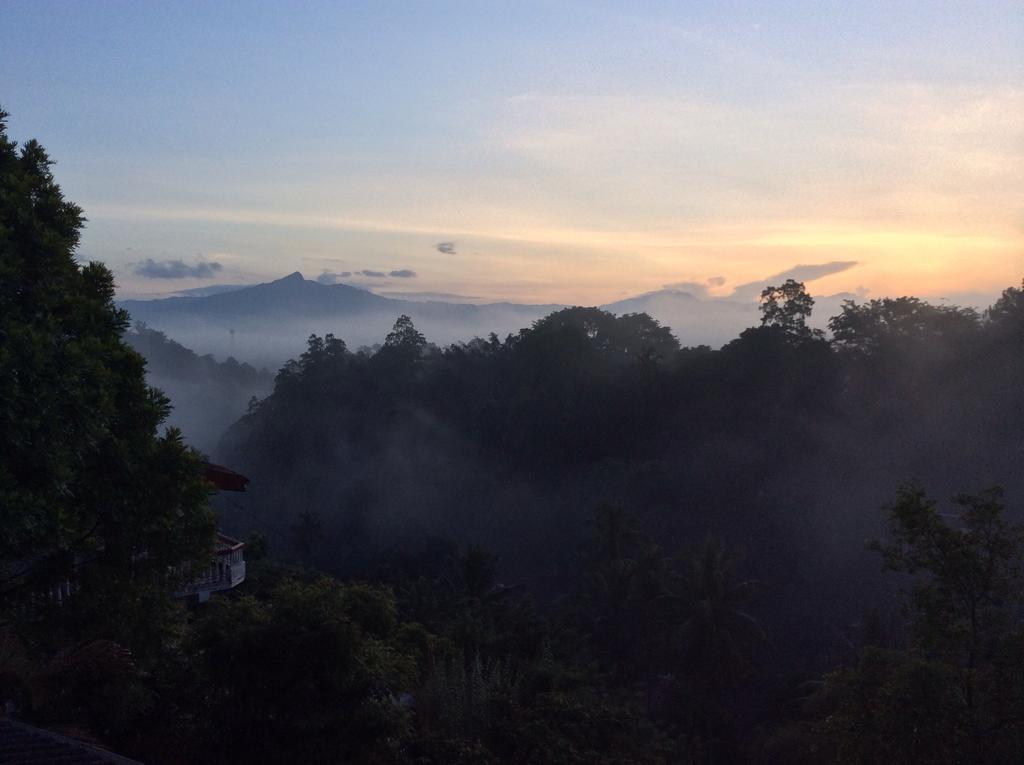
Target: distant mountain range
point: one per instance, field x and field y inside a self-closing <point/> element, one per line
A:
<point x="265" y="324"/>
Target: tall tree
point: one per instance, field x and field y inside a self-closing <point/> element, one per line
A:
<point x="88" y="489"/>
<point x="404" y="336"/>
<point x="788" y="307"/>
<point x="1007" y="313"/>
<point x="955" y="693"/>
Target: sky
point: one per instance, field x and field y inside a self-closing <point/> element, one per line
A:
<point x="573" y="152"/>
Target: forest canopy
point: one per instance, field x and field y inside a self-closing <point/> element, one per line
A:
<point x="578" y="543"/>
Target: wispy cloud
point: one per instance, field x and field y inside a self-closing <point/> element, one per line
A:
<point x="694" y="288"/>
<point x="800" y="273"/>
<point x="177" y="269"/>
<point x="446" y="248"/>
<point x="332" y="277"/>
<point x="697" y="289"/>
<point x="900" y="153"/>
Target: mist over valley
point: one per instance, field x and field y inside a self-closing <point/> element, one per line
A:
<point x="266" y="324"/>
<point x="511" y="383"/>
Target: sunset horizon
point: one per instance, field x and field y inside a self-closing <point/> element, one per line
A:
<point x="572" y="154"/>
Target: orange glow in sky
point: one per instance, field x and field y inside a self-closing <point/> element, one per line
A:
<point x="558" y="152"/>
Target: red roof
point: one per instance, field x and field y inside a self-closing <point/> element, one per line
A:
<point x="226" y="544"/>
<point x="224" y="478"/>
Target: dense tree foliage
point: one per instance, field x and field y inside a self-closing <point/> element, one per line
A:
<point x="579" y="543"/>
<point x="774" y="444"/>
<point x="89" y="492"/>
<point x="953" y="690"/>
<point x="787" y="307"/>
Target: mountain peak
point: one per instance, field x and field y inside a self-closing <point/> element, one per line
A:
<point x="295" y="276"/>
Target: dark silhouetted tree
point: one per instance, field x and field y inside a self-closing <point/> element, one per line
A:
<point x="894" y="325"/>
<point x="89" y="490"/>
<point x="405" y="338"/>
<point x="1007" y="314"/>
<point x="956" y="694"/>
<point x="787" y="307"/>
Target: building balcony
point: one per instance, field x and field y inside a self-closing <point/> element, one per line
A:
<point x="225" y="571"/>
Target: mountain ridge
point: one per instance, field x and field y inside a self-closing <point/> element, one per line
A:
<point x="267" y="323"/>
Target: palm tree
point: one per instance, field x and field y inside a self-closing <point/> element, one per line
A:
<point x="717" y="638"/>
<point x="610" y="582"/>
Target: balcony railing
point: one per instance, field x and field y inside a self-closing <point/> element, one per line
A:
<point x="225" y="571"/>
